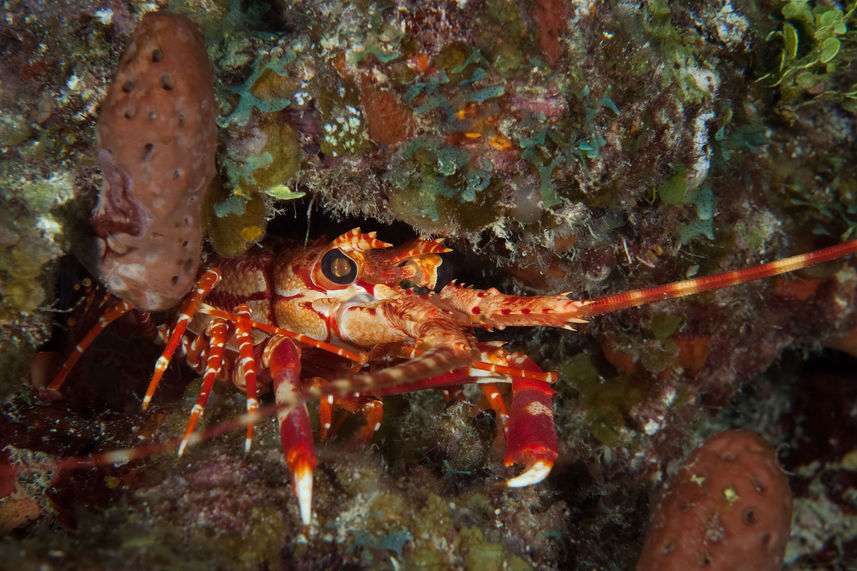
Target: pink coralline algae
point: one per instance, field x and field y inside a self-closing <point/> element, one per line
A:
<point x="156" y="146"/>
<point x="728" y="507"/>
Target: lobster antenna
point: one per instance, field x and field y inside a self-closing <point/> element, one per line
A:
<point x="636" y="298"/>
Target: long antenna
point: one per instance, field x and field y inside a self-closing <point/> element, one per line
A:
<point x="635" y="298"/>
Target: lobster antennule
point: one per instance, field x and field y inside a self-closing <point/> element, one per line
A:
<point x="636" y="298"/>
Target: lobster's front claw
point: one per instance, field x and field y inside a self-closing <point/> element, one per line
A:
<point x="537" y="471"/>
<point x="531" y="439"/>
<point x="299" y="451"/>
<point x="282" y="357"/>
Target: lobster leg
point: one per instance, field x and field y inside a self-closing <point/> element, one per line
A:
<point x="114" y="312"/>
<point x="492" y="394"/>
<point x="282" y="357"/>
<point x="206" y="283"/>
<point x="371" y="408"/>
<point x="530" y="432"/>
<point x="216" y="331"/>
<point x="246" y="369"/>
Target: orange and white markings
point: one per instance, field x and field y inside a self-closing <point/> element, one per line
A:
<point x="302" y="482"/>
<point x="299" y="337"/>
<point x="611" y="303"/>
<point x="497" y="405"/>
<point x="536" y="408"/>
<point x="345" y="297"/>
<point x="410" y="351"/>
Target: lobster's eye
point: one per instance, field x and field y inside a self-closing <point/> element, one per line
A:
<point x="338" y="268"/>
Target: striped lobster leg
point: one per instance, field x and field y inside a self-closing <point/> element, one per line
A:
<point x="531" y="439"/>
<point x="246" y="370"/>
<point x="113" y="312"/>
<point x="207" y="282"/>
<point x="216" y="333"/>
<point x="371" y="408"/>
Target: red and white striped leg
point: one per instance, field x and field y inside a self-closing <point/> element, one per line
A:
<point x="116" y="310"/>
<point x="495" y="401"/>
<point x="325" y="417"/>
<point x="246" y="369"/>
<point x="530" y="432"/>
<point x="370" y="408"/>
<point x="206" y="283"/>
<point x="283" y="359"/>
<point x="216" y="333"/>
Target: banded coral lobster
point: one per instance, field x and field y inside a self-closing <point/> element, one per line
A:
<point x="355" y="298"/>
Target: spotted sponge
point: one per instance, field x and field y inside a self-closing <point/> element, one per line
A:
<point x="728" y="507"/>
<point x="156" y="145"/>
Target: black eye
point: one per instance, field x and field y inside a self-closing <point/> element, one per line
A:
<point x="338" y="268"/>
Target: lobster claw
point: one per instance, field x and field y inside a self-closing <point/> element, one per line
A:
<point x="283" y="358"/>
<point x="531" y="439"/>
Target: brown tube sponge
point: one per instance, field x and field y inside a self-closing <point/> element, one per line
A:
<point x="156" y="146"/>
<point x="729" y="507"/>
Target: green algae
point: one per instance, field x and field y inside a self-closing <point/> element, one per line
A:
<point x="481" y="554"/>
<point x="674" y="190"/>
<point x="664" y="325"/>
<point x="659" y="356"/>
<point x="230" y="233"/>
<point x="817" y="49"/>
<point x="267" y="90"/>
<point x="274" y="163"/>
<point x="607" y="402"/>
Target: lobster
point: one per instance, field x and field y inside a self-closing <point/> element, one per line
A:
<point x="375" y="307"/>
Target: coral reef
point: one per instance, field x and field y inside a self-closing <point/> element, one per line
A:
<point x="156" y="144"/>
<point x="590" y="147"/>
<point x="728" y="507"/>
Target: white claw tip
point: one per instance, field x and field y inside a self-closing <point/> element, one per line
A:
<point x="532" y="475"/>
<point x="303" y="490"/>
<point x="182" y="446"/>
